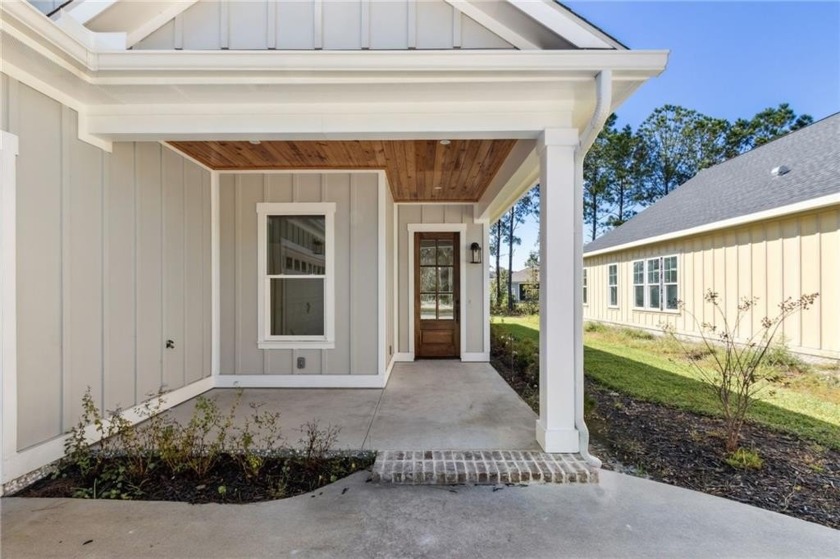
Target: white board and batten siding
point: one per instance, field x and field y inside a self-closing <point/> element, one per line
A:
<point x="113" y="259"/>
<point x="356" y="196"/>
<point x="321" y="24"/>
<point x="772" y="260"/>
<point x="475" y="292"/>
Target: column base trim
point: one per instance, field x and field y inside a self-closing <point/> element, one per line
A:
<point x="558" y="440"/>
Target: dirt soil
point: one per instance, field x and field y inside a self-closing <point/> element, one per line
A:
<point x="280" y="478"/>
<point x="799" y="478"/>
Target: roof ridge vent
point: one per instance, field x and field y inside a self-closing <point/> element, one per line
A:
<point x="780" y="170"/>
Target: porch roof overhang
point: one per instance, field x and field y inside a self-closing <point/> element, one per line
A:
<point x="125" y="95"/>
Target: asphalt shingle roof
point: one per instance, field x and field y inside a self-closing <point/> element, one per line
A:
<point x="743" y="185"/>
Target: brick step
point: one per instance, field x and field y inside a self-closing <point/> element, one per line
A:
<point x="479" y="467"/>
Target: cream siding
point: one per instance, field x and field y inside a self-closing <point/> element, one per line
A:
<point x="342" y="25"/>
<point x="476" y="287"/>
<point x="112" y="260"/>
<point x="356" y="197"/>
<point x="772" y="260"/>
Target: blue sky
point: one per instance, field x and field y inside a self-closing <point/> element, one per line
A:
<point x="728" y="59"/>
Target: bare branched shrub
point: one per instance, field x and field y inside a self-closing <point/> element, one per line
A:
<point x="736" y="369"/>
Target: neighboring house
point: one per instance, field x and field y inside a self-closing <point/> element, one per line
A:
<point x="525" y="283"/>
<point x="765" y="224"/>
<point x="295" y="194"/>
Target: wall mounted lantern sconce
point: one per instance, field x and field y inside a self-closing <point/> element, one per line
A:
<point x="475" y="248"/>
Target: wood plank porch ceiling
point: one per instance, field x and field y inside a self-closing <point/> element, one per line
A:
<point x="418" y="170"/>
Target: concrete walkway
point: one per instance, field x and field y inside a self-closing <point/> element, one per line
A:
<point x="427" y="405"/>
<point x="621" y="517"/>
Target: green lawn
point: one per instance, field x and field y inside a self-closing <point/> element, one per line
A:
<point x="806" y="404"/>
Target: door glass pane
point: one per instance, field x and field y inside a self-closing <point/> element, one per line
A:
<point x="446" y="308"/>
<point x="295" y="244"/>
<point x="445" y="253"/>
<point x="428" y="253"/>
<point x="427" y="307"/>
<point x="428" y="280"/>
<point x="296" y="307"/>
<point x="445" y="276"/>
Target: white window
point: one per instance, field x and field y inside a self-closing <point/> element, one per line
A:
<point x="655" y="285"/>
<point x="612" y="277"/>
<point x="296" y="291"/>
<point x="585" y="286"/>
<point x="639" y="284"/>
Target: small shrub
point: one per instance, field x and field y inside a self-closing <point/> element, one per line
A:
<point x="745" y="459"/>
<point x="738" y="366"/>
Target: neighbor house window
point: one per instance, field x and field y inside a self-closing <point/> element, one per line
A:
<point x="639" y="284"/>
<point x="296" y="251"/>
<point x="655" y="284"/>
<point x="585" y="286"/>
<point x="612" y="281"/>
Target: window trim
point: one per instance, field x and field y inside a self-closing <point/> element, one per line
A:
<point x="610" y="287"/>
<point x="264" y="339"/>
<point x="663" y="308"/>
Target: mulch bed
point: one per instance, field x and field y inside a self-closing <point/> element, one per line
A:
<point x="280" y="478"/>
<point x="799" y="478"/>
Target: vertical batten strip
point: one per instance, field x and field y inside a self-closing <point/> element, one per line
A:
<point x="137" y="275"/>
<point x="215" y="277"/>
<point x="184" y="268"/>
<point x="66" y="126"/>
<point x="224" y="24"/>
<point x="365" y="24"/>
<point x="456" y="28"/>
<point x="318" y="24"/>
<point x="412" y="24"/>
<point x="323" y="184"/>
<point x="237" y="225"/>
<point x="179" y="31"/>
<point x="352" y="302"/>
<point x="105" y="177"/>
<point x="266" y="197"/>
<point x="161" y="254"/>
<point x="271" y="25"/>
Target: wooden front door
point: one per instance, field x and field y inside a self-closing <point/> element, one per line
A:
<point x="437" y="321"/>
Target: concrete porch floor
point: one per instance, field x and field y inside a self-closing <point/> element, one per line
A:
<point x="427" y="405"/>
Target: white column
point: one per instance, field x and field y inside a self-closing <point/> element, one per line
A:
<point x="8" y="304"/>
<point x="561" y="334"/>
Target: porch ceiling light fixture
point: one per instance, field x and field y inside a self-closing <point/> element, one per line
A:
<point x="445" y="142"/>
<point x="254" y="142"/>
<point x="475" y="250"/>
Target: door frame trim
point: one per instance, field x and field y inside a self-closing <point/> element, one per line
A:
<point x="461" y="229"/>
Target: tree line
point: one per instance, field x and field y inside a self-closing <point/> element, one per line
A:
<point x="626" y="171"/>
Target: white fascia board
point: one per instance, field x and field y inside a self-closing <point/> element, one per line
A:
<point x="639" y="64"/>
<point x="92" y="40"/>
<point x="807" y="205"/>
<point x="85" y="10"/>
<point x="492" y="24"/>
<point x="158" y="20"/>
<point x="246" y="122"/>
<point x="563" y="24"/>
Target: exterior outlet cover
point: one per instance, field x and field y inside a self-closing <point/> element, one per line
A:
<point x="301" y="362"/>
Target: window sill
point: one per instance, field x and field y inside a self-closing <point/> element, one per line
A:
<point x="615" y="307"/>
<point x="658" y="311"/>
<point x="279" y="344"/>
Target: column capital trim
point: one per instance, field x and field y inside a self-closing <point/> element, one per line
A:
<point x="561" y="137"/>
